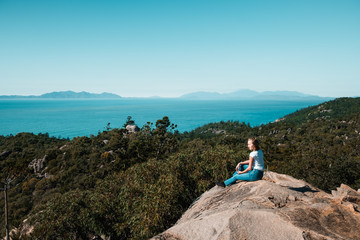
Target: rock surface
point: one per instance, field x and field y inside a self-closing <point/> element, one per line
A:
<point x="277" y="207"/>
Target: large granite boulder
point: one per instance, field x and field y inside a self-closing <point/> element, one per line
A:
<point x="279" y="207"/>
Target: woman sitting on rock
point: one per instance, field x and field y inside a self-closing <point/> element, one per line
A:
<point x="249" y="170"/>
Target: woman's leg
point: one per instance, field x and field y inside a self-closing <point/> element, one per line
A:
<point x="235" y="177"/>
<point x="243" y="167"/>
<point x="231" y="180"/>
<point x="252" y="175"/>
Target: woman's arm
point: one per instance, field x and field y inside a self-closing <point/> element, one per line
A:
<point x="245" y="162"/>
<point x="250" y="162"/>
<point x="241" y="163"/>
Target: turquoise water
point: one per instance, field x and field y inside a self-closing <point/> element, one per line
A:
<point x="71" y="118"/>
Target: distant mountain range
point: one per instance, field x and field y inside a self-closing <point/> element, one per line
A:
<point x="251" y="94"/>
<point x="242" y="94"/>
<point x="68" y="94"/>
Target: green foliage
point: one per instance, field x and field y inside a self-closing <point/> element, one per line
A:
<point x="135" y="185"/>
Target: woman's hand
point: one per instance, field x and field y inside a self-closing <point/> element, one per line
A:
<point x="237" y="167"/>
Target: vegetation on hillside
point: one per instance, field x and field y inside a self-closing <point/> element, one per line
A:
<point x="135" y="185"/>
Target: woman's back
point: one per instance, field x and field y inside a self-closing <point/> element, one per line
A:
<point x="258" y="157"/>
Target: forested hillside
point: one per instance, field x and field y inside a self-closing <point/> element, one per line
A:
<point x="135" y="185"/>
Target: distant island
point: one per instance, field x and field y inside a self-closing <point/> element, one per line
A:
<point x="251" y="94"/>
<point x="68" y="94"/>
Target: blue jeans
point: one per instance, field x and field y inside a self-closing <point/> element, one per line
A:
<point x="251" y="175"/>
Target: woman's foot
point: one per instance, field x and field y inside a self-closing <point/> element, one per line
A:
<point x="220" y="184"/>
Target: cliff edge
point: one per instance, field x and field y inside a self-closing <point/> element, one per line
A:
<point x="277" y="207"/>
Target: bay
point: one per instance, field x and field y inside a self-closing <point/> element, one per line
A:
<point x="68" y="118"/>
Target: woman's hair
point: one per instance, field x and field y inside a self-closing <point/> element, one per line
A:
<point x="255" y="142"/>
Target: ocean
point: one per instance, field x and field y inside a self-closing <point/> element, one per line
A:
<point x="68" y="118"/>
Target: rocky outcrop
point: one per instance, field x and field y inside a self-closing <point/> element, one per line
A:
<point x="25" y="229"/>
<point x="38" y="165"/>
<point x="62" y="148"/>
<point x="132" y="128"/>
<point x="277" y="207"/>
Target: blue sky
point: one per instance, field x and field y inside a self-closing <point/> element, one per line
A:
<point x="169" y="48"/>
